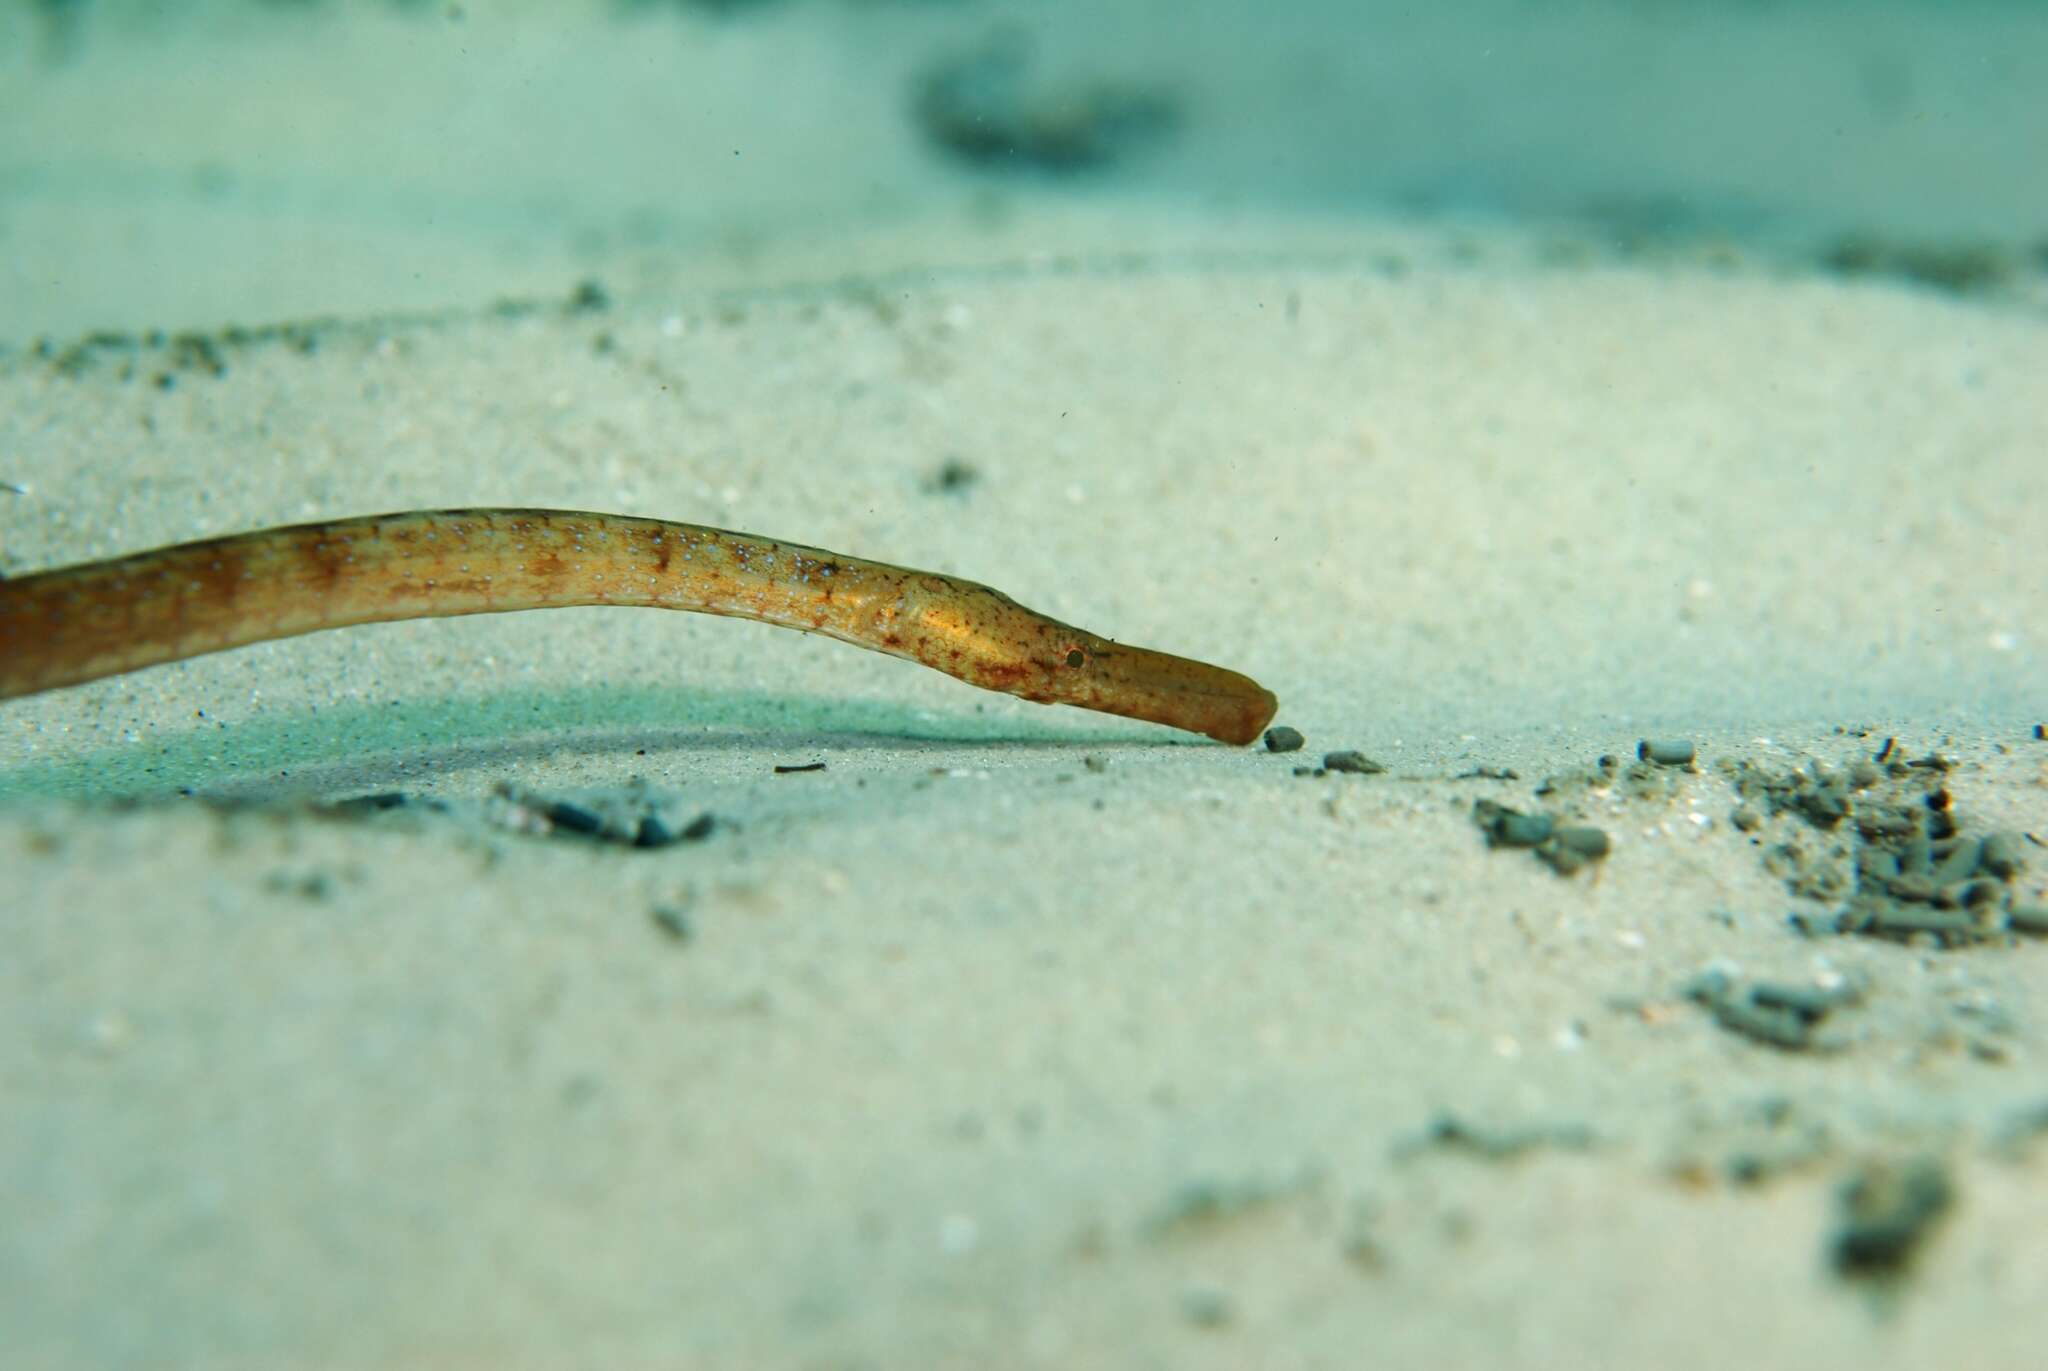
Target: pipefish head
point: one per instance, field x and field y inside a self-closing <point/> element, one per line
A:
<point x="989" y="639"/>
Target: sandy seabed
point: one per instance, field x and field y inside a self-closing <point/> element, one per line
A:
<point x="1027" y="1037"/>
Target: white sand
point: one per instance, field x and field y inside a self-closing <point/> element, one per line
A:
<point x="979" y="1055"/>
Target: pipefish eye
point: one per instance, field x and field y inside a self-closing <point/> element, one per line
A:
<point x="1076" y="657"/>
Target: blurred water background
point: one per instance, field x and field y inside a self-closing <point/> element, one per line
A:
<point x="218" y="162"/>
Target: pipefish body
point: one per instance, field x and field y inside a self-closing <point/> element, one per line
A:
<point x="80" y="623"/>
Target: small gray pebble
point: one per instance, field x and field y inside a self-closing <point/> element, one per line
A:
<point x="1665" y="751"/>
<point x="1284" y="739"/>
<point x="672" y="921"/>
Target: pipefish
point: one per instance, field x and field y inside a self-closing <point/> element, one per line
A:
<point x="97" y="619"/>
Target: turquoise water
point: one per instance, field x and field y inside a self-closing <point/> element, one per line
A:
<point x="244" y="162"/>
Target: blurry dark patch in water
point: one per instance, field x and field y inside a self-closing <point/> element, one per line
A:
<point x="62" y="22"/>
<point x="991" y="108"/>
<point x="1959" y="268"/>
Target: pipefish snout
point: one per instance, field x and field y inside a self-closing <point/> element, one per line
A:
<point x="81" y="623"/>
